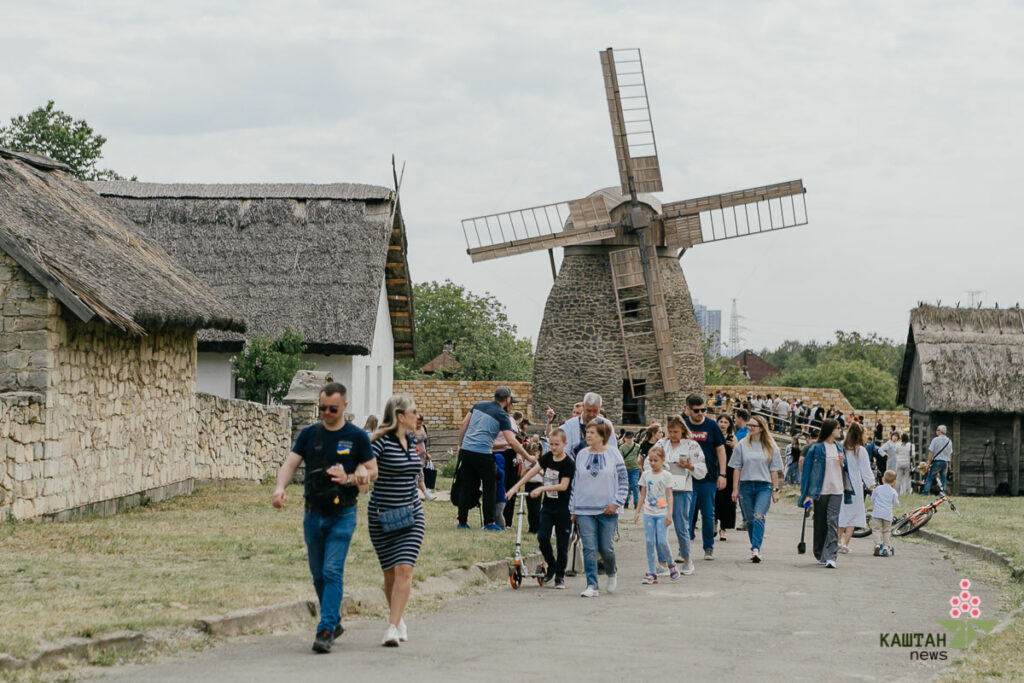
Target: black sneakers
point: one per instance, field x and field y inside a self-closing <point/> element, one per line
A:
<point x="338" y="630"/>
<point x="323" y="641"/>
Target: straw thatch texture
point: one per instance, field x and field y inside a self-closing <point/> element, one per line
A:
<point x="309" y="257"/>
<point x="969" y="361"/>
<point x="92" y="258"/>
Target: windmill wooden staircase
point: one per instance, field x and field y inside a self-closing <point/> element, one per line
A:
<point x="640" y="303"/>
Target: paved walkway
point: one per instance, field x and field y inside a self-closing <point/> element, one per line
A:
<point x="783" y="619"/>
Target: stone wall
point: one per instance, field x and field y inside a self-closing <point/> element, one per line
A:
<point x="93" y="414"/>
<point x="580" y="345"/>
<point x="444" y="404"/>
<point x="240" y="439"/>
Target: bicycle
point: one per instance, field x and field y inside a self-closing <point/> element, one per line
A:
<point x="915" y="519"/>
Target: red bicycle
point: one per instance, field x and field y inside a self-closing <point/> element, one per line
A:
<point x="915" y="519"/>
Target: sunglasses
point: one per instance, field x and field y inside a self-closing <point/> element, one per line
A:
<point x="329" y="409"/>
<point x="698" y="410"/>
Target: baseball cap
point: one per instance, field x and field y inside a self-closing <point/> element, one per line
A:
<point x="503" y="392"/>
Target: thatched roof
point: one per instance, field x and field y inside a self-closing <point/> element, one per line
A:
<point x="964" y="361"/>
<point x="309" y="257"/>
<point x="92" y="257"/>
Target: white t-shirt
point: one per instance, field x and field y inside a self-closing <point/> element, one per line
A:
<point x="833" y="483"/>
<point x="656" y="492"/>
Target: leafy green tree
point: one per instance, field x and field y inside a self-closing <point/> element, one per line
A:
<point x="881" y="353"/>
<point x="718" y="369"/>
<point x="266" y="366"/>
<point x="864" y="385"/>
<point x="486" y="344"/>
<point x="52" y="133"/>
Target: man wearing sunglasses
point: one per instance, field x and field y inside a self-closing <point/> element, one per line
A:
<point x="337" y="451"/>
<point x="710" y="439"/>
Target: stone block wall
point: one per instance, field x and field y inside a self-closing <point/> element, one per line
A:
<point x="89" y="413"/>
<point x="444" y="404"/>
<point x="28" y="324"/>
<point x="240" y="439"/>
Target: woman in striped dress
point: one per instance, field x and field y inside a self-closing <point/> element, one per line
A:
<point x="398" y="468"/>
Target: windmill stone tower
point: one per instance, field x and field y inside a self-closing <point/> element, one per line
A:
<point x="619" y="319"/>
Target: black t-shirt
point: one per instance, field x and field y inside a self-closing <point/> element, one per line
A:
<point x="708" y="436"/>
<point x="349" y="446"/>
<point x="554" y="472"/>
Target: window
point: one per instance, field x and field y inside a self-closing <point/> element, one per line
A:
<point x="633" y="405"/>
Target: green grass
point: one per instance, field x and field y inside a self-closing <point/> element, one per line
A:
<point x="222" y="549"/>
<point x="996" y="523"/>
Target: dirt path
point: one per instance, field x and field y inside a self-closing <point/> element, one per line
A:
<point x="783" y="619"/>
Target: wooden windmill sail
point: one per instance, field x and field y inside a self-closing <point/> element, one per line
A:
<point x="641" y="230"/>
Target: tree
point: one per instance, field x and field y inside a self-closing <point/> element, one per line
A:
<point x="864" y="385"/>
<point x="266" y="366"/>
<point x="718" y="369"/>
<point x="54" y="134"/>
<point x="486" y="344"/>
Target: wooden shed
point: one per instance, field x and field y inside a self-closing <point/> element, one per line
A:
<point x="965" y="369"/>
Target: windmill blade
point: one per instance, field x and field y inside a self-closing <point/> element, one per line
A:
<point x="734" y="214"/>
<point x="537" y="228"/>
<point x="630" y="113"/>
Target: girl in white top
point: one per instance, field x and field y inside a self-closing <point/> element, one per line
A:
<point x="852" y="514"/>
<point x="904" y="461"/>
<point x="685" y="462"/>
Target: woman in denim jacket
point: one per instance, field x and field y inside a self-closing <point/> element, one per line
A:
<point x="821" y="481"/>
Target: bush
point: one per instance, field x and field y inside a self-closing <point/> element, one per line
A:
<point x="266" y="366"/>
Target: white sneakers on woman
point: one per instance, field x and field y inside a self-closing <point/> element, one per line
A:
<point x="590" y="592"/>
<point x="396" y="634"/>
<point x="611" y="583"/>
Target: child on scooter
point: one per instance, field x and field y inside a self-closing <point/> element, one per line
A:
<point x="558" y="470"/>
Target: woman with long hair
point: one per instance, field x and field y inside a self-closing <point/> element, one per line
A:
<point x="649" y="438"/>
<point x="821" y="482"/>
<point x="725" y="506"/>
<point x="395" y="513"/>
<point x="756" y="464"/>
<point x="852" y="514"/>
<point x="599" y="488"/>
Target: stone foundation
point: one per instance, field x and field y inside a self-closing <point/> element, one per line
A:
<point x="240" y="439"/>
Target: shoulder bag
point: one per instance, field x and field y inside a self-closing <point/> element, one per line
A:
<point x="398" y="518"/>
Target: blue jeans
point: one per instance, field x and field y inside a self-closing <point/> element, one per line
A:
<point x="597" y="533"/>
<point x="755" y="498"/>
<point x="938" y="467"/>
<point x="327" y="541"/>
<point x="634" y="487"/>
<point x="793" y="472"/>
<point x="657" y="541"/>
<point x="682" y="503"/>
<point x="704" y="502"/>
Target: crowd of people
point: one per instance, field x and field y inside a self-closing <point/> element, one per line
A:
<point x="581" y="473"/>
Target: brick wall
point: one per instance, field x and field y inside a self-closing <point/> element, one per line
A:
<point x="444" y="404"/>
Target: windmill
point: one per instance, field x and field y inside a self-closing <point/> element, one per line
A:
<point x="619" y="319"/>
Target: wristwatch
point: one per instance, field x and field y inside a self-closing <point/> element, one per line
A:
<point x="722" y="475"/>
<point x="775" y="490"/>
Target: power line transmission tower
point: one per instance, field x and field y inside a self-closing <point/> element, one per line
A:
<point x="734" y="329"/>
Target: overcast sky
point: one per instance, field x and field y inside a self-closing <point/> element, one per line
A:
<point x="903" y="119"/>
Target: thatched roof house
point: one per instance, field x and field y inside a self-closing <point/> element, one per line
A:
<point x="964" y="368"/>
<point x="92" y="258"/>
<point x="327" y="260"/>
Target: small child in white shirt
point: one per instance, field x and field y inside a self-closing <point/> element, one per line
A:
<point x="656" y="492"/>
<point x="886" y="500"/>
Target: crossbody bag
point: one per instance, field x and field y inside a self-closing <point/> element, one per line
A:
<point x="326" y="496"/>
<point x="398" y="518"/>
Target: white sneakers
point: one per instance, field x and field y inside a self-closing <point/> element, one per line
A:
<point x="391" y="636"/>
<point x="590" y="592"/>
<point x="611" y="583"/>
<point x="831" y="564"/>
<point x="661" y="570"/>
<point x="403" y="632"/>
<point x="844" y="548"/>
<point x="686" y="568"/>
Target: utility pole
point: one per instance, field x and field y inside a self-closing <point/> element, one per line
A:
<point x="974" y="296"/>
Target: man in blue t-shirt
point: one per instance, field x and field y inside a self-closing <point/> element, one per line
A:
<point x="940" y="451"/>
<point x="476" y="465"/>
<point x="708" y="435"/>
<point x="337" y="451"/>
